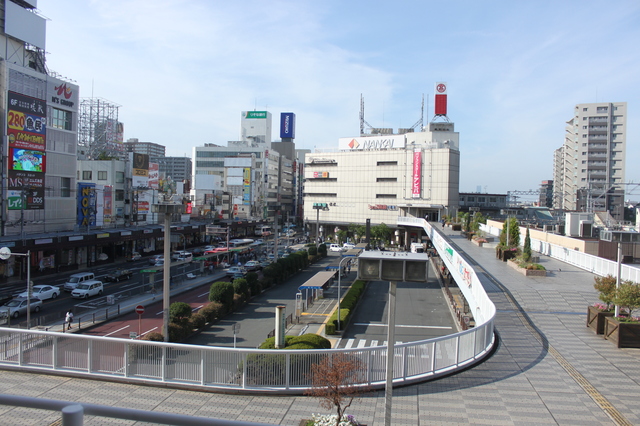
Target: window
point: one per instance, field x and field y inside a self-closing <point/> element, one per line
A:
<point x="102" y="175"/>
<point x="471" y="199"/>
<point x="481" y="199"/>
<point x="61" y="119"/>
<point x="119" y="177"/>
<point x="65" y="187"/>
<point x="119" y="194"/>
<point x="86" y="175"/>
<point x="492" y="199"/>
<point x="387" y="179"/>
<point x="386" y="196"/>
<point x="387" y="163"/>
<point x="585" y="109"/>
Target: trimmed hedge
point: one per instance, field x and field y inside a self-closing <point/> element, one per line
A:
<point x="347" y="305"/>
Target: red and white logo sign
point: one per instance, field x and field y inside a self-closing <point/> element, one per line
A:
<point x="441" y="88"/>
<point x="139" y="309"/>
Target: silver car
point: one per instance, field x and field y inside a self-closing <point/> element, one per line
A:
<point x="42" y="292"/>
<point x="18" y="306"/>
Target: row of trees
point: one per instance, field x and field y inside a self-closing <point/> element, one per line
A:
<point x="380" y="234"/>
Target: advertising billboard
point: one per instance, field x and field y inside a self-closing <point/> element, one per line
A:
<point x="256" y="114"/>
<point x="441" y="98"/>
<point x="416" y="187"/>
<point x="86" y="204"/>
<point x="107" y="213"/>
<point x="140" y="170"/>
<point x="154" y="175"/>
<point x="26" y="156"/>
<point x="287" y="125"/>
<point x="246" y="186"/>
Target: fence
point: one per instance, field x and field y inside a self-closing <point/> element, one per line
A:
<point x="255" y="370"/>
<point x="588" y="262"/>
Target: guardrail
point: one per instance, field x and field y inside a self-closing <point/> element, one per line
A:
<point x="588" y="262"/>
<point x="251" y="370"/>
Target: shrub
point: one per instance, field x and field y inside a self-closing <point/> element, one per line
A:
<point x="222" y="292"/>
<point x="313" y="250"/>
<point x="179" y="332"/>
<point x="179" y="312"/>
<point x="213" y="311"/>
<point x="154" y="337"/>
<point x="322" y="250"/>
<point x="241" y="287"/>
<point x="627" y="296"/>
<point x="198" y="320"/>
<point x="253" y="283"/>
<point x="315" y="340"/>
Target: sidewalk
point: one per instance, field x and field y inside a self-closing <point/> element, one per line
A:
<point x="549" y="368"/>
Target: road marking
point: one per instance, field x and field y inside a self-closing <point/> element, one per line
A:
<point x="114" y="332"/>
<point x="362" y="344"/>
<point x="349" y="343"/>
<point x="196" y="308"/>
<point x="369" y="324"/>
<point x="149" y="331"/>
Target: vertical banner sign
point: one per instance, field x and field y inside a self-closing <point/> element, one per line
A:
<point x="246" y="186"/>
<point x="287" y="125"/>
<point x="108" y="204"/>
<point x="26" y="159"/>
<point x="86" y="204"/>
<point x="416" y="187"/>
<point x="441" y="98"/>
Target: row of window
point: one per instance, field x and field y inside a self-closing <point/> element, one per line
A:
<point x="333" y="195"/>
<point x="334" y="163"/>
<point x="223" y="154"/>
<point x="102" y="175"/>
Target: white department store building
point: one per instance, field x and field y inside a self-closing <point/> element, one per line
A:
<point x="383" y="177"/>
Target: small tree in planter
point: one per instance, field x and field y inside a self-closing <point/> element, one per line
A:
<point x="627" y="296"/>
<point x="606" y="287"/>
<point x="526" y="251"/>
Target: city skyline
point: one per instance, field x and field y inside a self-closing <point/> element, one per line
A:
<point x="182" y="71"/>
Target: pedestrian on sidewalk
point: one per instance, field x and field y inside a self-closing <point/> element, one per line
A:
<point x="69" y="319"/>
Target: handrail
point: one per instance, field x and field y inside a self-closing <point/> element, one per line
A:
<point x="245" y="370"/>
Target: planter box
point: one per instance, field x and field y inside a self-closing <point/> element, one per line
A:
<point x="596" y="319"/>
<point x="623" y="334"/>
<point x="527" y="272"/>
<point x="476" y="242"/>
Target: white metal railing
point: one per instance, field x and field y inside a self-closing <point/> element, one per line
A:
<point x="254" y="370"/>
<point x="594" y="264"/>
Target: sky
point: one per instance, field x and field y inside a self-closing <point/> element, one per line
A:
<point x="183" y="70"/>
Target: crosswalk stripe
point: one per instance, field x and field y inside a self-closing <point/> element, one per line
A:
<point x="349" y="343"/>
<point x="362" y="343"/>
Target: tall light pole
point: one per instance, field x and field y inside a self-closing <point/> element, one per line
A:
<point x="5" y="253"/>
<point x="392" y="267"/>
<point x="317" y="207"/>
<point x="168" y="210"/>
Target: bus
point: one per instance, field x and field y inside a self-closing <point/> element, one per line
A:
<point x="262" y="231"/>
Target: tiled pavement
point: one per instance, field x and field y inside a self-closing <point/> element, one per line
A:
<point x="549" y="368"/>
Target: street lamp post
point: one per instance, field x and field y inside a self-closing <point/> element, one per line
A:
<point x="317" y="207"/>
<point x="5" y="253"/>
<point x="168" y="210"/>
<point x="392" y="267"/>
<point x="619" y="237"/>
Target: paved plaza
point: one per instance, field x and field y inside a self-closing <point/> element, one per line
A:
<point x="549" y="368"/>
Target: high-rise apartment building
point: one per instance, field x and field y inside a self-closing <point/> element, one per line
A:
<point x="149" y="148"/>
<point x="589" y="172"/>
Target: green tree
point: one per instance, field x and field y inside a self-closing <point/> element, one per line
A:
<point x="606" y="287"/>
<point x="179" y="312"/>
<point x="478" y="218"/>
<point x="514" y="232"/>
<point x="342" y="236"/>
<point x="526" y="251"/>
<point x="381" y="233"/>
<point x="357" y="231"/>
<point x="222" y="292"/>
<point x="627" y="296"/>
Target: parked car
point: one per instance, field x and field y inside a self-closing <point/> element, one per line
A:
<point x="236" y="270"/>
<point x="119" y="275"/>
<point x="134" y="256"/>
<point x="42" y="292"/>
<point x="88" y="289"/>
<point x="335" y="247"/>
<point x="252" y="265"/>
<point x="154" y="259"/>
<point x="349" y="246"/>
<point x="18" y="306"/>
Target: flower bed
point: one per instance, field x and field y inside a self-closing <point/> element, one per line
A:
<point x="623" y="334"/>
<point x="526" y="271"/>
<point x="596" y="317"/>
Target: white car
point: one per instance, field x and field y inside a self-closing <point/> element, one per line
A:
<point x="88" y="289"/>
<point x="43" y="292"/>
<point x="349" y="246"/>
<point x="335" y="247"/>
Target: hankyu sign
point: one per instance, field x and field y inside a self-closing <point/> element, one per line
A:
<point x="372" y="142"/>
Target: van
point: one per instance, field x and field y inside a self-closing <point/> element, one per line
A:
<point x="182" y="256"/>
<point x="79" y="278"/>
<point x="87" y="289"/>
<point x="335" y="247"/>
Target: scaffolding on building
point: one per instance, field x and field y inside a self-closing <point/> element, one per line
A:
<point x="100" y="134"/>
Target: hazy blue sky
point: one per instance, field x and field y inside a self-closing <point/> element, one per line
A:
<point x="183" y="70"/>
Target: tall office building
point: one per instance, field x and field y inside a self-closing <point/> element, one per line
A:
<point x="591" y="175"/>
<point x="149" y="148"/>
<point x="255" y="128"/>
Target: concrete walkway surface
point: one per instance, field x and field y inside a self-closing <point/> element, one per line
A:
<point x="548" y="369"/>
